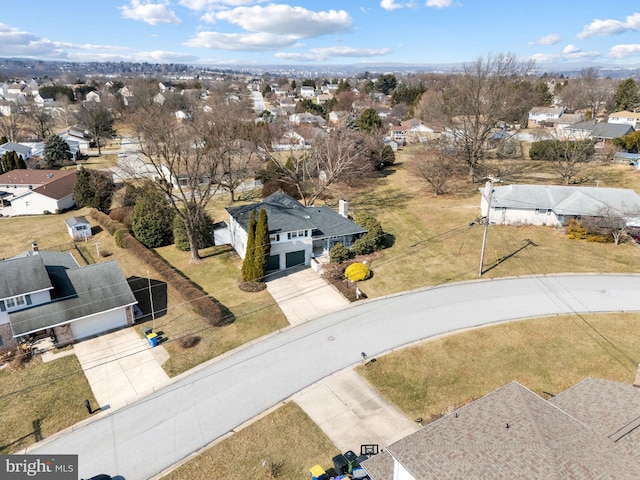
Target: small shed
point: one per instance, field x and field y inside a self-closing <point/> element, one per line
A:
<point x="79" y="228"/>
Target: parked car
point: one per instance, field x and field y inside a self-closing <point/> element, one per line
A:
<point x="101" y="476"/>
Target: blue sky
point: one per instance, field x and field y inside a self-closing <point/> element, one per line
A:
<point x="257" y="32"/>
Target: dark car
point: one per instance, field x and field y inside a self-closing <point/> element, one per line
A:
<point x="102" y="476"/>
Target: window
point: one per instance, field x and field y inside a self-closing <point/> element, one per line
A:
<point x="15" y="302"/>
<point x="299" y="233"/>
<point x="274" y="238"/>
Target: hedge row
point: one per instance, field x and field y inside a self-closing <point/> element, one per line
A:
<point x="201" y="304"/>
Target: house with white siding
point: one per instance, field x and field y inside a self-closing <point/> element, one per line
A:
<point x="48" y="293"/>
<point x="297" y="233"/>
<point x="625" y="118"/>
<point x="539" y="115"/>
<point x="556" y="205"/>
<point x="34" y="192"/>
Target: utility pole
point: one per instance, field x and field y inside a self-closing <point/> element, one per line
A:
<point x="489" y="186"/>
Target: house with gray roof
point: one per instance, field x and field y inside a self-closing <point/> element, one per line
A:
<point x="24" y="151"/>
<point x="556" y="205"/>
<point x="600" y="132"/>
<point x="48" y="292"/>
<point x="297" y="233"/>
<point x="587" y="431"/>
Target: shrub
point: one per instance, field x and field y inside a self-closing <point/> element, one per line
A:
<point x="374" y="238"/>
<point x="46" y="212"/>
<point x="576" y="231"/>
<point x="118" y="236"/>
<point x="188" y="342"/>
<point x="204" y="234"/>
<point x="599" y="238"/>
<point x="356" y="272"/>
<point x="122" y="215"/>
<point x="339" y="253"/>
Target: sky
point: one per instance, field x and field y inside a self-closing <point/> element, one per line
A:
<point x="328" y="32"/>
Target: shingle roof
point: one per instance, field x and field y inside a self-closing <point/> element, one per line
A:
<point x="59" y="188"/>
<point x="626" y="114"/>
<point x="510" y="433"/>
<point x="285" y="214"/>
<point x="602" y="129"/>
<point x="92" y="289"/>
<point x="566" y="200"/>
<point x="33" y="177"/>
<point x="19" y="276"/>
<point x="71" y="221"/>
<point x="16" y="147"/>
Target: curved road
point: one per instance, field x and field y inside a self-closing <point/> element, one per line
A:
<point x="144" y="438"/>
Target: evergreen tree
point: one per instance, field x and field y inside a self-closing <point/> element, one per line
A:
<point x="262" y="246"/>
<point x="204" y="233"/>
<point x="627" y="96"/>
<point x="369" y="120"/>
<point x="56" y="151"/>
<point x="11" y="161"/>
<point x="152" y="219"/>
<point x="248" y="265"/>
<point x="93" y="189"/>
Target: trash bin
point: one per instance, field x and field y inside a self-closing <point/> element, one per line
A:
<point x="340" y="464"/>
<point x="352" y="460"/>
<point x="318" y="473"/>
<point x="152" y="338"/>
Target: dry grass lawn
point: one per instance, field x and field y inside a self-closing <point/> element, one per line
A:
<point x="286" y="438"/>
<point x="49" y="393"/>
<point x="545" y="355"/>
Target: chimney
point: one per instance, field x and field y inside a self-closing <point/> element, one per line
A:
<point x="343" y="208"/>
<point x="34" y="247"/>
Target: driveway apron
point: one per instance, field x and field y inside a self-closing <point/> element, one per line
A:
<point x="121" y="366"/>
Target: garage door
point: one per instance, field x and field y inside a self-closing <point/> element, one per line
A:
<point x="295" y="258"/>
<point x="273" y="263"/>
<point x="97" y="324"/>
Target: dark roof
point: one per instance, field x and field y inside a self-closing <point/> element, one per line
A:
<point x="602" y="129"/>
<point x="19" y="276"/>
<point x="59" y="188"/>
<point x="89" y="290"/>
<point x="286" y="214"/>
<point x="22" y="176"/>
<point x="509" y="433"/>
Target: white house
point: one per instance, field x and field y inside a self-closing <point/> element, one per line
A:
<point x="34" y="192"/>
<point x="538" y="115"/>
<point x="307" y="92"/>
<point x="24" y="151"/>
<point x="625" y="118"/>
<point x="48" y="293"/>
<point x="297" y="233"/>
<point x="556" y="205"/>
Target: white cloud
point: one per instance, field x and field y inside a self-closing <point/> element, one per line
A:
<point x="18" y="43"/>
<point x="320" y="54"/>
<point x="390" y="5"/>
<point x="550" y="39"/>
<point x="622" y="51"/>
<point x="164" y="56"/>
<point x="287" y="20"/>
<point x="200" y="5"/>
<point x="439" y="3"/>
<point x="569" y="49"/>
<point x="610" y="27"/>
<point x="151" y="13"/>
<point x="240" y="41"/>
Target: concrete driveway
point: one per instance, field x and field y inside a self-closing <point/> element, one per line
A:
<point x="302" y="294"/>
<point x="120" y="367"/>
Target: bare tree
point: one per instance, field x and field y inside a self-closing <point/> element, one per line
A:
<point x="39" y="123"/>
<point x="472" y="103"/>
<point x="9" y="127"/>
<point x="186" y="158"/>
<point x="98" y="121"/>
<point x="568" y="155"/>
<point x="611" y="221"/>
<point x="437" y="164"/>
<point x="588" y="91"/>
<point x="333" y="157"/>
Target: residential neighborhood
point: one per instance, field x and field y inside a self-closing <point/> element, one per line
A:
<point x="360" y="271"/>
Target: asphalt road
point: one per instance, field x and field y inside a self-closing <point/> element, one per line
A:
<point x="142" y="439"/>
